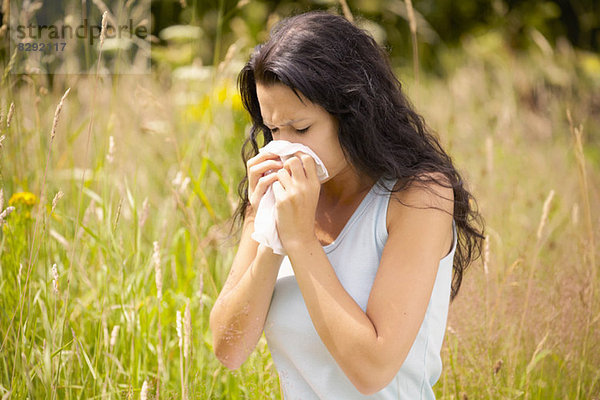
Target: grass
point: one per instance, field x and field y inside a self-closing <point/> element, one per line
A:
<point x="525" y="326"/>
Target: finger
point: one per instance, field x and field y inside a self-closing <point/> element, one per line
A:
<point x="257" y="171"/>
<point x="256" y="161"/>
<point x="278" y="190"/>
<point x="264" y="166"/>
<point x="299" y="154"/>
<point x="263" y="184"/>
<point x="261" y="157"/>
<point x="310" y="166"/>
<point x="284" y="178"/>
<point x="294" y="167"/>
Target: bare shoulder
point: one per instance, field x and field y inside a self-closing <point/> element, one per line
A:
<point x="429" y="203"/>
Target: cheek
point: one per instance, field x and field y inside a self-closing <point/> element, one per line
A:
<point x="327" y="147"/>
<point x="325" y="158"/>
<point x="333" y="157"/>
<point x="333" y="161"/>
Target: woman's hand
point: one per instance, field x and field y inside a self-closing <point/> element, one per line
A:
<point x="296" y="196"/>
<point x="260" y="177"/>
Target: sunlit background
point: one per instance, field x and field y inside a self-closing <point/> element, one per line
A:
<point x="118" y="185"/>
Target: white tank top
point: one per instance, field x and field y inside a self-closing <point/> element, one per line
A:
<point x="306" y="368"/>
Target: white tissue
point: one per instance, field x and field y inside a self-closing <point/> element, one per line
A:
<point x="265" y="228"/>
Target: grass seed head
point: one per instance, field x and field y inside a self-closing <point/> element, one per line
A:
<point x="103" y="31"/>
<point x="5" y="214"/>
<point x="57" y="113"/>
<point x="489" y="154"/>
<point x="497" y="366"/>
<point x="545" y="212"/>
<point x="180" y="182"/>
<point x="145" y="212"/>
<point x="57" y="197"/>
<point x="201" y="288"/>
<point x="486" y="254"/>
<point x="111" y="150"/>
<point x="179" y="329"/>
<point x="113" y="336"/>
<point x="158" y="270"/>
<point x="11" y="112"/>
<point x="55" y="278"/>
<point x="105" y="330"/>
<point x="187" y="331"/>
<point x="144" y="391"/>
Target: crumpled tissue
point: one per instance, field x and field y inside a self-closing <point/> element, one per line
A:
<point x="265" y="228"/>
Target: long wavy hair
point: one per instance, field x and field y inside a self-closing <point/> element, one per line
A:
<point x="340" y="67"/>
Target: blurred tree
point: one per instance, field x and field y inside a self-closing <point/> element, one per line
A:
<point x="440" y="22"/>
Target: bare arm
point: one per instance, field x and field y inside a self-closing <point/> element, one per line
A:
<point x="238" y="316"/>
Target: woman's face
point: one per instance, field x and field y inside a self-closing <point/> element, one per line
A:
<point x="302" y="122"/>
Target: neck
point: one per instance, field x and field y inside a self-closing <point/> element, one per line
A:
<point x="344" y="187"/>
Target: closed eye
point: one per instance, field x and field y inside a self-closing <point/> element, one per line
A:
<point x="300" y="131"/>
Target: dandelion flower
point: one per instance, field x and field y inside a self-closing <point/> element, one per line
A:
<point x="22" y="198"/>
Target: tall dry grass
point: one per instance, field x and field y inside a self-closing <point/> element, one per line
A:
<point x="526" y="322"/>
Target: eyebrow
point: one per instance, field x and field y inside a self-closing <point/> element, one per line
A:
<point x="290" y="122"/>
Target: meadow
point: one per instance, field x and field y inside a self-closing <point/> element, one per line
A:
<point x="117" y="193"/>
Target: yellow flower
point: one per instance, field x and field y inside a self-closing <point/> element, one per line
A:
<point x="24" y="198"/>
<point x="227" y="93"/>
<point x="236" y="102"/>
<point x="221" y="94"/>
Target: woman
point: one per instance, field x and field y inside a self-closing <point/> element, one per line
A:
<point x="358" y="306"/>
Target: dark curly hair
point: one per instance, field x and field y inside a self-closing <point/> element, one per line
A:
<point x="341" y="68"/>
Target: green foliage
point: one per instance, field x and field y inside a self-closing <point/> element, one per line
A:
<point x="440" y="24"/>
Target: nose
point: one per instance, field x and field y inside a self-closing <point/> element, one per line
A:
<point x="282" y="134"/>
